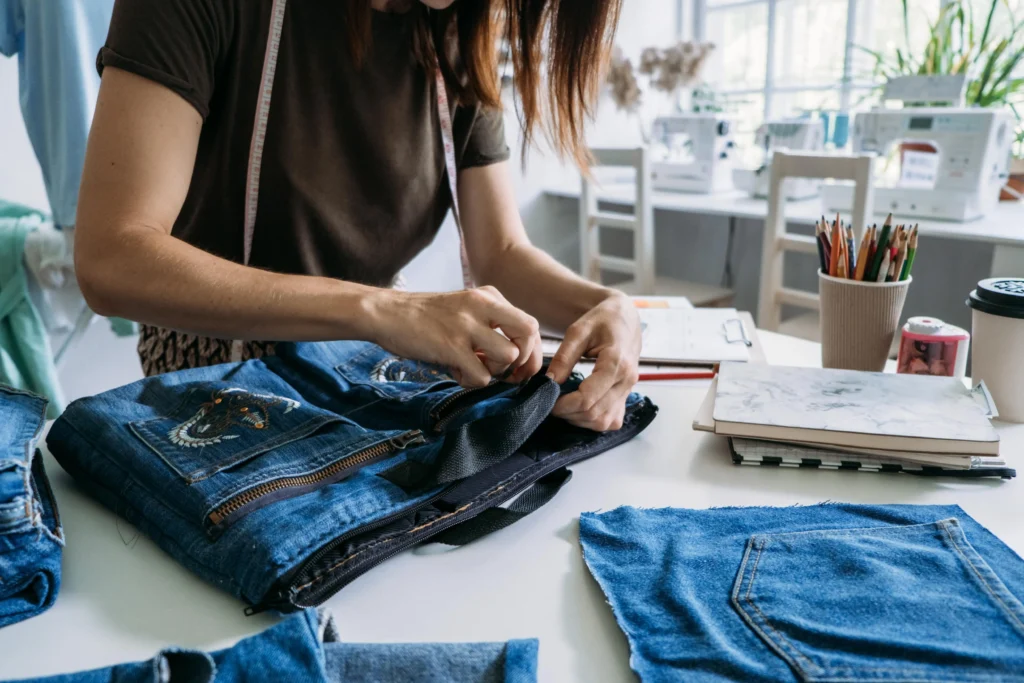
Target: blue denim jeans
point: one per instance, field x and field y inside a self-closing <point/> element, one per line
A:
<point x="841" y="593"/>
<point x="305" y="649"/>
<point x="31" y="538"/>
<point x="283" y="479"/>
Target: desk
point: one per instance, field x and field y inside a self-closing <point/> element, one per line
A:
<point x="123" y="599"/>
<point x="1004" y="227"/>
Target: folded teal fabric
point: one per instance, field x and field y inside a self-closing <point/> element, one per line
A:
<point x="26" y="359"/>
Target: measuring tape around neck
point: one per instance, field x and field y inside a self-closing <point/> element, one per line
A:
<point x="259" y="135"/>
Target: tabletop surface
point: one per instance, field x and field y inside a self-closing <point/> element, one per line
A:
<point x="1005" y="225"/>
<point x="123" y="599"/>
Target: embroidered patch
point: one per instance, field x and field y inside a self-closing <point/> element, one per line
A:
<point x="402" y="370"/>
<point x="226" y="409"/>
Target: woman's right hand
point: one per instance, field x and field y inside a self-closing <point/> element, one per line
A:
<point x="476" y="333"/>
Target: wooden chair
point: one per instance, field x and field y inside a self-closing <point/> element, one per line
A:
<point x="777" y="241"/>
<point x="644" y="280"/>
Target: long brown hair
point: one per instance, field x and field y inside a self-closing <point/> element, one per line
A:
<point x="573" y="37"/>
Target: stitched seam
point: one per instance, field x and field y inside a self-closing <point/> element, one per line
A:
<point x="784" y="641"/>
<point x="524" y="474"/>
<point x="985" y="585"/>
<point x="132" y="481"/>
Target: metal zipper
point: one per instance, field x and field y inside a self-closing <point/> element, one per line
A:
<point x="641" y="416"/>
<point x="359" y="459"/>
<point x="442" y="420"/>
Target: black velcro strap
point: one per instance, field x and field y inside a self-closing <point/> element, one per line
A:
<point x="496" y="519"/>
<point x="474" y="447"/>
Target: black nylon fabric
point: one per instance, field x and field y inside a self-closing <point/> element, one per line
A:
<point x="474" y="447"/>
<point x="496" y="519"/>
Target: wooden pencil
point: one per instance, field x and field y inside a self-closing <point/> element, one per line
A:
<point x="862" y="255"/>
<point x="901" y="258"/>
<point x="837" y="249"/>
<point x="881" y="251"/>
<point x="821" y="248"/>
<point x="851" y="252"/>
<point x="911" y="254"/>
<point x="883" y="268"/>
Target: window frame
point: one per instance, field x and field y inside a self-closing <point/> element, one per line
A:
<point x="699" y="11"/>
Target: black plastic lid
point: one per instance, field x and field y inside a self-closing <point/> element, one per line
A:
<point x="1002" y="296"/>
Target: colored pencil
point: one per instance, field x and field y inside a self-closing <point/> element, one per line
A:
<point x="901" y="258"/>
<point x="844" y="261"/>
<point x="911" y="253"/>
<point x="862" y="256"/>
<point x="881" y="251"/>
<point x="828" y="248"/>
<point x="851" y="252"/>
<point x="837" y="249"/>
<point x="883" y="268"/>
<point x="821" y="248"/>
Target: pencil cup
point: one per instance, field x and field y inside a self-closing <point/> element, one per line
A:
<point x="859" y="321"/>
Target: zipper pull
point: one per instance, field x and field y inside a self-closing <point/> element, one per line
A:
<point x="409" y="439"/>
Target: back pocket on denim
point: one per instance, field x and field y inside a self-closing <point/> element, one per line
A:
<point x="897" y="603"/>
<point x="217" y="425"/>
<point x="389" y="376"/>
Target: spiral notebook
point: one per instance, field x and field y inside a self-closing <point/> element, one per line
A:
<point x="771" y="454"/>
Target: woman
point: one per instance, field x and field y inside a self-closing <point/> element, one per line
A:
<point x="262" y="170"/>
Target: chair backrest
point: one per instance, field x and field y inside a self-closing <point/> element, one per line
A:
<point x="858" y="168"/>
<point x="641" y="222"/>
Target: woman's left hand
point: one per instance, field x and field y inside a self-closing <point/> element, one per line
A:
<point x="610" y="333"/>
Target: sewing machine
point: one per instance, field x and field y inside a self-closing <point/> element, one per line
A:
<point x="693" y="153"/>
<point x="798" y="135"/>
<point x="953" y="161"/>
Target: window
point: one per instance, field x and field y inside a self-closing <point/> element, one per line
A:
<point x="783" y="58"/>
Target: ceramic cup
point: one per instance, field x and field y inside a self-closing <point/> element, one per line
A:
<point x="859" y="321"/>
<point x="998" y="359"/>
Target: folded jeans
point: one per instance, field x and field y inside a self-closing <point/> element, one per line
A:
<point x="305" y="649"/>
<point x="31" y="536"/>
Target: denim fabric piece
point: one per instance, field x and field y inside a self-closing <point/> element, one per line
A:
<point x="305" y="649"/>
<point x="282" y="479"/>
<point x="31" y="538"/>
<point x="822" y="593"/>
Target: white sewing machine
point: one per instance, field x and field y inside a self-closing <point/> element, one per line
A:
<point x="798" y="135"/>
<point x="952" y="161"/>
<point x="693" y="153"/>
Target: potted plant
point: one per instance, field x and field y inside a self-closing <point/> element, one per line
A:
<point x="960" y="42"/>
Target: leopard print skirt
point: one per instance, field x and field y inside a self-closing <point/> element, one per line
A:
<point x="162" y="350"/>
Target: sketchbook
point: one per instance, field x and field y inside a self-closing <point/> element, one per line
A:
<point x="840" y="408"/>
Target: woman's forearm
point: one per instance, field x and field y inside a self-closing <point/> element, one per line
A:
<point x="146" y="275"/>
<point x="533" y="281"/>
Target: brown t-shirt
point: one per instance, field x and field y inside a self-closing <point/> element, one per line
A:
<point x="353" y="183"/>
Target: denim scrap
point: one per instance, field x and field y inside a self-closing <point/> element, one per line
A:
<point x="825" y="593"/>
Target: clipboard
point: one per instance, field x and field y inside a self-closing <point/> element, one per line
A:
<point x="698" y="338"/>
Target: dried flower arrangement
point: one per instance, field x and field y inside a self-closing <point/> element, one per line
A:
<point x="668" y="70"/>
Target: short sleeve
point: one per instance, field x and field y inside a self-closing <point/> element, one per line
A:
<point x="486" y="143"/>
<point x="12" y="26"/>
<point x="177" y="43"/>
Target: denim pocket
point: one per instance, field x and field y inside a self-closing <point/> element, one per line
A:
<point x="217" y="425"/>
<point x="392" y="377"/>
<point x="896" y="603"/>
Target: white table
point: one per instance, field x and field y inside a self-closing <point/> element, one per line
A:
<point x="1004" y="227"/>
<point x="123" y="599"/>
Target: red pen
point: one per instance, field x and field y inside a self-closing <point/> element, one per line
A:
<point x="655" y="377"/>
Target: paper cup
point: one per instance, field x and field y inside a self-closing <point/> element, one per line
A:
<point x="998" y="358"/>
<point x="859" y="321"/>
